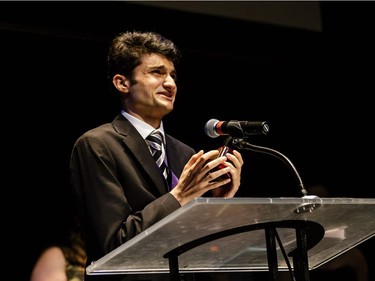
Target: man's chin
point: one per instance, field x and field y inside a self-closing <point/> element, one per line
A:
<point x="166" y="106"/>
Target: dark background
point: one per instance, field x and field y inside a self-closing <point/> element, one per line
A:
<point x="313" y="88"/>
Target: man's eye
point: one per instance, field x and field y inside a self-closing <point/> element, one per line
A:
<point x="157" y="71"/>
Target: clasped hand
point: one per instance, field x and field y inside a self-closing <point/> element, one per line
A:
<point x="201" y="175"/>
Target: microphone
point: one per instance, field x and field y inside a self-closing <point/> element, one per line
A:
<point x="234" y="128"/>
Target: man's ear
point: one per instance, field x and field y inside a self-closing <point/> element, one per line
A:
<point x="121" y="83"/>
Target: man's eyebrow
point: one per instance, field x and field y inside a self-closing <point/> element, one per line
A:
<point x="158" y="66"/>
<point x="162" y="67"/>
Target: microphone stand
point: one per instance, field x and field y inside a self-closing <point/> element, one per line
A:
<point x="242" y="144"/>
<point x="300" y="258"/>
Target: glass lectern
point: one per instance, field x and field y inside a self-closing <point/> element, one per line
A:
<point x="244" y="235"/>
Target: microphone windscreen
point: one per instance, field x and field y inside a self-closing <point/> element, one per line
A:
<point x="210" y="128"/>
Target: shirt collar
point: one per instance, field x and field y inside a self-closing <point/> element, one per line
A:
<point x="142" y="127"/>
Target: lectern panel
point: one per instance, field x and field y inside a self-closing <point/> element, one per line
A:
<point x="342" y="220"/>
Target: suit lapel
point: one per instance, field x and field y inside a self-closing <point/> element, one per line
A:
<point x="137" y="145"/>
<point x="175" y="163"/>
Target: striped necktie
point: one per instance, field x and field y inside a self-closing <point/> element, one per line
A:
<point x="156" y="144"/>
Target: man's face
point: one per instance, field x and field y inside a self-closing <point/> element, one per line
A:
<point x="153" y="87"/>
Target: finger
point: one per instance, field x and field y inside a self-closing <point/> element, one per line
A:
<point x="235" y="158"/>
<point x="210" y="155"/>
<point x="217" y="175"/>
<point x="204" y="159"/>
<point x="193" y="159"/>
<point x="238" y="156"/>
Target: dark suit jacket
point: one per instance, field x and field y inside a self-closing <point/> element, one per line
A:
<point x="119" y="189"/>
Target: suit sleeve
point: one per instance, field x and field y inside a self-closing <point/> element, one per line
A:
<point x="116" y="199"/>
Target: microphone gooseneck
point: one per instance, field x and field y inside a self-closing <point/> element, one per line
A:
<point x="242" y="144"/>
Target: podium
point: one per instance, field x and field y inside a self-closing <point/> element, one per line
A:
<point x="245" y="235"/>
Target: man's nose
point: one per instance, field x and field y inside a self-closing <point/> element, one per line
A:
<point x="169" y="80"/>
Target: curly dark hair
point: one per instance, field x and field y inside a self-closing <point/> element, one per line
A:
<point x="127" y="48"/>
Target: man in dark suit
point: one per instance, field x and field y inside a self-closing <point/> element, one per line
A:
<point x="119" y="189"/>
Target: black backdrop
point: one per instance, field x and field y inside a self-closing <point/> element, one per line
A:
<point x="313" y="88"/>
